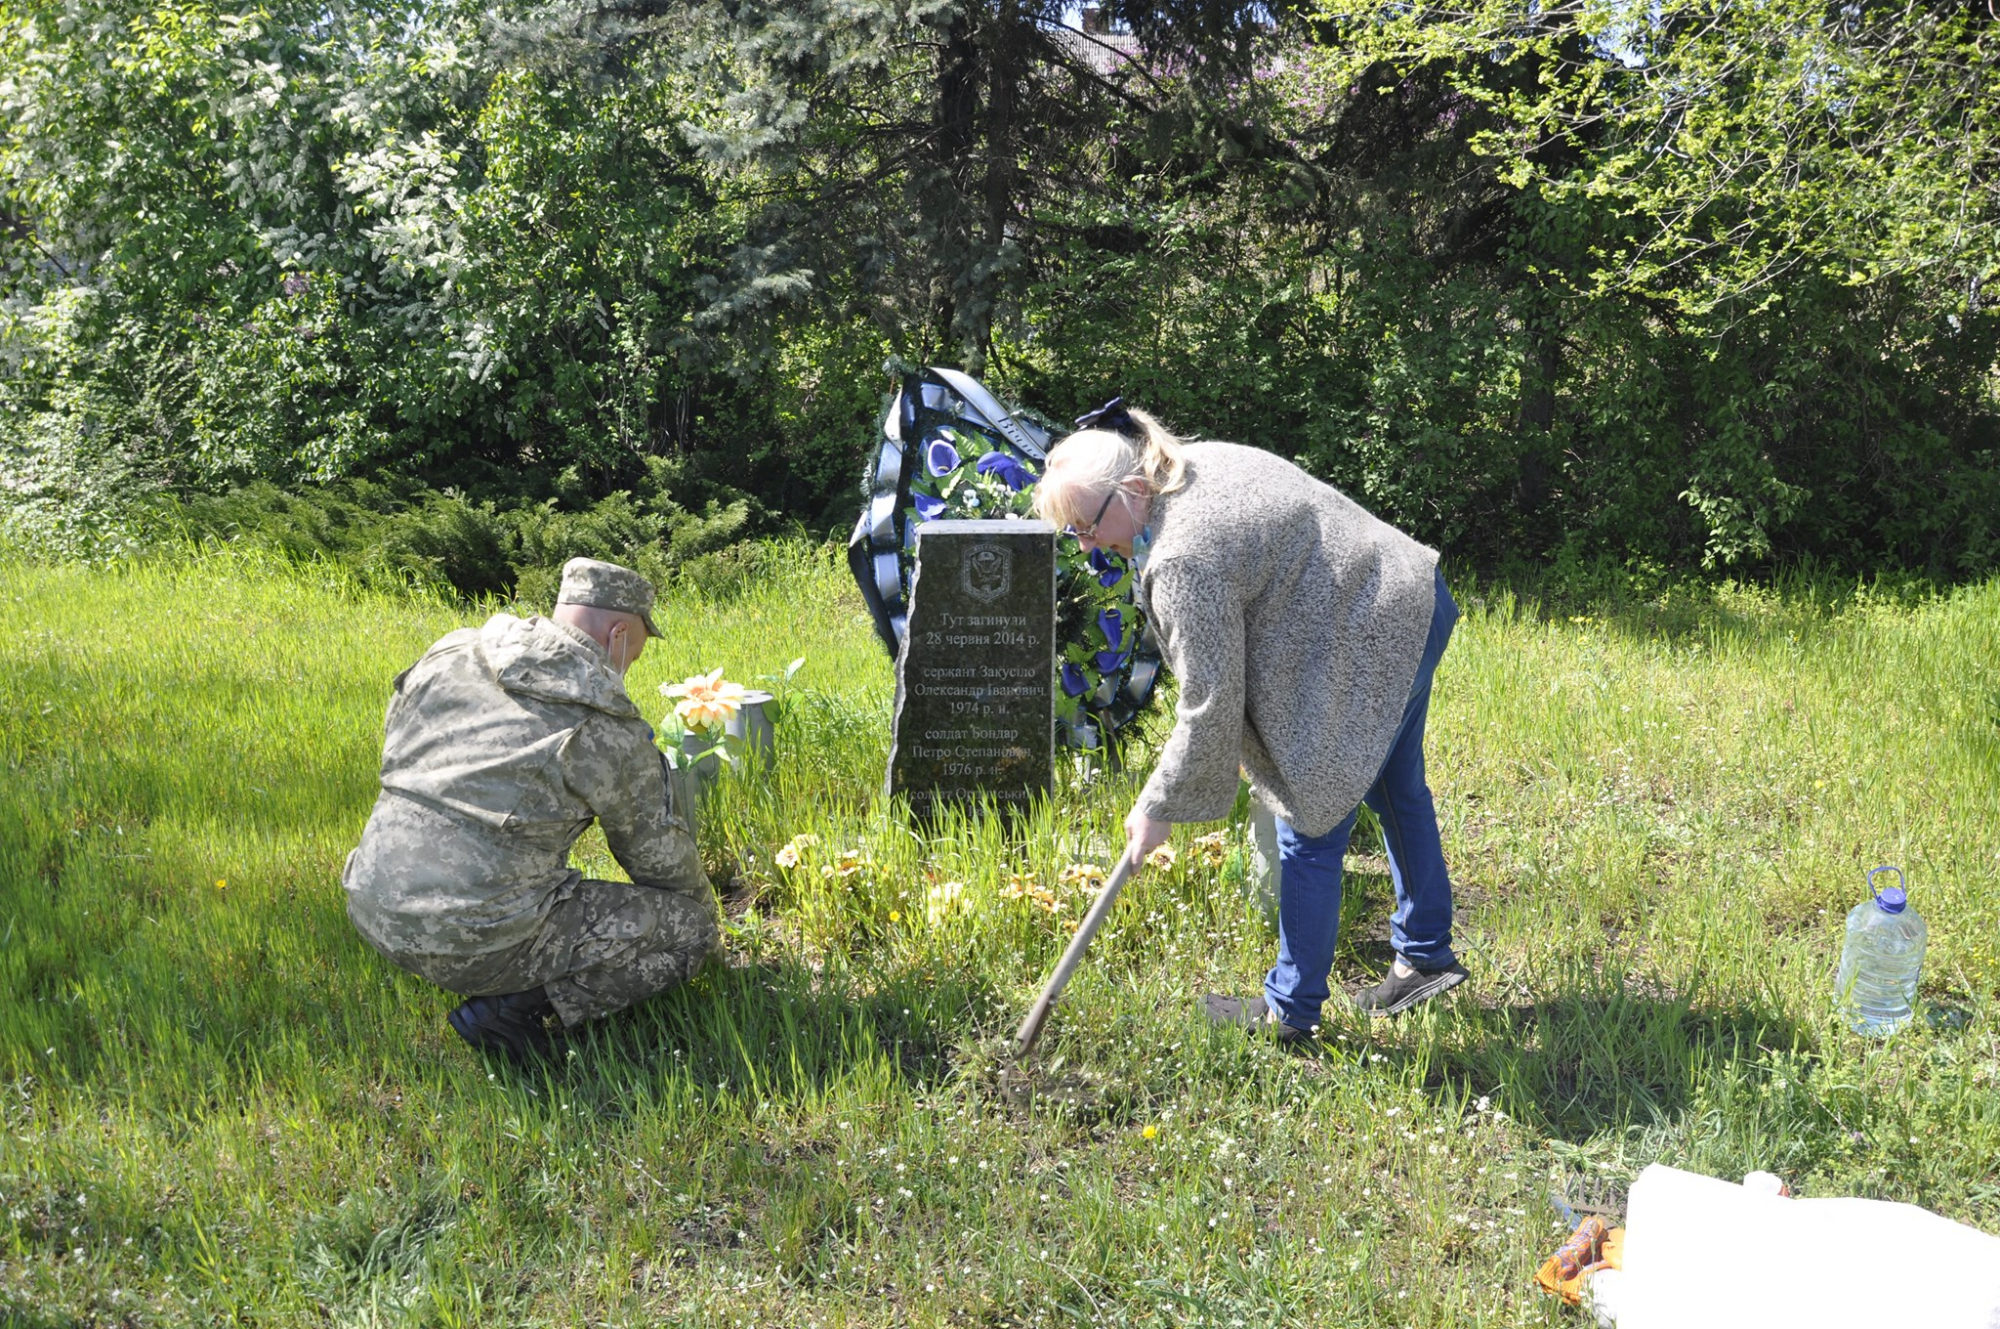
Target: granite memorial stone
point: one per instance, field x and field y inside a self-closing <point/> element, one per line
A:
<point x="975" y="679"/>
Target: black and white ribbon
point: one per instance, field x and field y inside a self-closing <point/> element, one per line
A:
<point x="881" y="551"/>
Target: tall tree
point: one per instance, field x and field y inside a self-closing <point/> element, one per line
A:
<point x="913" y="157"/>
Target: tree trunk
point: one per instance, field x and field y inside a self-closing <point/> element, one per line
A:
<point x="1537" y="412"/>
<point x="1002" y="69"/>
<point x="949" y="188"/>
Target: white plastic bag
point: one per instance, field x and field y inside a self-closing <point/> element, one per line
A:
<point x="1707" y="1254"/>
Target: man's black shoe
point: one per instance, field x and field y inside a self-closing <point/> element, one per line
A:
<point x="1397" y="993"/>
<point x="1252" y="1013"/>
<point x="514" y="1023"/>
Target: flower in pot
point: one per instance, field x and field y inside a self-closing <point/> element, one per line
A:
<point x="704" y="708"/>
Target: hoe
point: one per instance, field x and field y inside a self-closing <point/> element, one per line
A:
<point x="1031" y="1028"/>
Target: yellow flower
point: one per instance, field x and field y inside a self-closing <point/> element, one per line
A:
<point x="707" y="702"/>
<point x="221" y="884"/>
<point x="1085" y="875"/>
<point x="1022" y="887"/>
<point x="1151" y="1132"/>
<point x="895" y="915"/>
<point x="845" y="864"/>
<point x="1162" y="857"/>
<point x="1212" y="848"/>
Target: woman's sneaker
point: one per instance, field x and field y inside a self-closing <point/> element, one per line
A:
<point x="1398" y="992"/>
<point x="1254" y="1014"/>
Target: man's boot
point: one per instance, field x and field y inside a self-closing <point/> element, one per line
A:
<point x="515" y="1023"/>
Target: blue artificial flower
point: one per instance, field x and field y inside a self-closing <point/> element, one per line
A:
<point x="940" y="458"/>
<point x="1112" y="624"/>
<point x="928" y="507"/>
<point x="1073" y="681"/>
<point x="1005" y="465"/>
<point x="1107" y="661"/>
<point x="1108" y="573"/>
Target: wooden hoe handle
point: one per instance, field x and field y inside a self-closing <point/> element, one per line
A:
<point x="1031" y="1028"/>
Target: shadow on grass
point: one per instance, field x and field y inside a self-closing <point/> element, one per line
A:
<point x="1601" y="1049"/>
<point x="1677" y="608"/>
<point x="1598" y="1053"/>
<point x="16" y="1318"/>
<point x="776" y="1030"/>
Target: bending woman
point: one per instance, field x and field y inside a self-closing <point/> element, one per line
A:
<point x="1304" y="633"/>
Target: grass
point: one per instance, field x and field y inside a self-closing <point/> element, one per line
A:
<point x="221" y="1107"/>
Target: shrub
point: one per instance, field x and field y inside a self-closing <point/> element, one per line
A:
<point x="400" y="533"/>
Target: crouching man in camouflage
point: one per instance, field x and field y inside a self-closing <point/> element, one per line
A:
<point x="502" y="744"/>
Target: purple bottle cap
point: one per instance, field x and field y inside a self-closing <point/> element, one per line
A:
<point x="1890" y="900"/>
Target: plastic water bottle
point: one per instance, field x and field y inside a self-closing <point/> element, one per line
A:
<point x="1876" y="988"/>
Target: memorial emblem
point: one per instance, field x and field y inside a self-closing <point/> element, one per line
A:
<point x="987" y="572"/>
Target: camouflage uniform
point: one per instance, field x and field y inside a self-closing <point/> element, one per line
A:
<point x="503" y="743"/>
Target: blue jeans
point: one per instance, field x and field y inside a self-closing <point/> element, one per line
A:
<point x="1309" y="865"/>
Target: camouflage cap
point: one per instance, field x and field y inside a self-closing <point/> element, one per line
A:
<point x="601" y="585"/>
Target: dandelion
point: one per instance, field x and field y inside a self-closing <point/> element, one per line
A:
<point x="221" y="884"/>
<point x="1151" y="1132"/>
<point x="707" y="701"/>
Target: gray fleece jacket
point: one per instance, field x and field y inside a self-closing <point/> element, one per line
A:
<point x="1294" y="621"/>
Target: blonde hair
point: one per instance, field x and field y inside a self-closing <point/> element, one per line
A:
<point x="1092" y="461"/>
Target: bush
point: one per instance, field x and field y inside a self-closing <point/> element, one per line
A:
<point x="402" y="534"/>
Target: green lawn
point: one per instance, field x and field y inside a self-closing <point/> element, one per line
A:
<point x="221" y="1107"/>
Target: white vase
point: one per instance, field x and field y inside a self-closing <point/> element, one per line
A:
<point x="695" y="755"/>
<point x="752" y="726"/>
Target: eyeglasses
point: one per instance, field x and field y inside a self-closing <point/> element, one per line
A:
<point x="1090" y="532"/>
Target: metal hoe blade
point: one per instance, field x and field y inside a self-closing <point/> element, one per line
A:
<point x="1031" y="1028"/>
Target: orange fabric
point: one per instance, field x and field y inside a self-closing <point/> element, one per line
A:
<point x="1593" y="1246"/>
